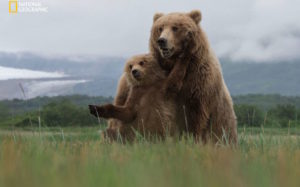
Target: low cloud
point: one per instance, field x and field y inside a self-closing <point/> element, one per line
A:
<point x="271" y="34"/>
<point x="252" y="30"/>
<point x="13" y="73"/>
<point x="50" y="88"/>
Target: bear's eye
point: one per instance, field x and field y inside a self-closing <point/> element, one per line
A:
<point x="174" y="29"/>
<point x="160" y="29"/>
<point x="130" y="66"/>
<point x="141" y="63"/>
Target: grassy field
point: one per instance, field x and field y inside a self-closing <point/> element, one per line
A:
<point x="78" y="157"/>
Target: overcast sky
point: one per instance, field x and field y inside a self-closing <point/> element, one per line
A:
<point x="256" y="30"/>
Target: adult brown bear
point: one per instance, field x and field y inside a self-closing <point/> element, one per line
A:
<point x="145" y="110"/>
<point x="181" y="47"/>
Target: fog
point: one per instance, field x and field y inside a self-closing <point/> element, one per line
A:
<point x="13" y="73"/>
<point x="252" y="30"/>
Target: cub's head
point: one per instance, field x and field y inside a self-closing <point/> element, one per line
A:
<point x="174" y="33"/>
<point x="143" y="70"/>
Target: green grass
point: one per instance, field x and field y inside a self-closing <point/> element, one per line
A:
<point x="78" y="157"/>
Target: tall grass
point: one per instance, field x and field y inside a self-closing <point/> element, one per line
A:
<point x="81" y="158"/>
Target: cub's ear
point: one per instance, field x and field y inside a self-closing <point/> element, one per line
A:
<point x="195" y="15"/>
<point x="156" y="16"/>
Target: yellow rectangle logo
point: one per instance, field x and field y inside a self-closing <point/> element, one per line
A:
<point x="13" y="6"/>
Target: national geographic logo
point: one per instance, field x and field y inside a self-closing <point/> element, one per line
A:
<point x="13" y="6"/>
<point x="24" y="6"/>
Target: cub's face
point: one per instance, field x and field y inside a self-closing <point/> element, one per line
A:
<point x="171" y="33"/>
<point x="142" y="70"/>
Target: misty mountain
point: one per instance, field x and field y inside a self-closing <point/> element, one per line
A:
<point x="94" y="76"/>
<point x="75" y="66"/>
<point x="99" y="76"/>
<point x="266" y="78"/>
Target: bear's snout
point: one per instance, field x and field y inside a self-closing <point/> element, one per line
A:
<point x="136" y="74"/>
<point x="162" y="42"/>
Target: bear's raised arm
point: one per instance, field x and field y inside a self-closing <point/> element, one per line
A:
<point x="176" y="77"/>
<point x="123" y="113"/>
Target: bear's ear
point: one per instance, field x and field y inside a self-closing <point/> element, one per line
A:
<point x="195" y="15"/>
<point x="156" y="16"/>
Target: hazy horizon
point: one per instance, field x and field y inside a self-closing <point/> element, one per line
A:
<point x="36" y="48"/>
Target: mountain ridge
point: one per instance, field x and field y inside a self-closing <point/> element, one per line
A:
<point x="103" y="74"/>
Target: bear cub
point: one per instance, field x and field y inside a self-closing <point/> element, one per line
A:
<point x="146" y="109"/>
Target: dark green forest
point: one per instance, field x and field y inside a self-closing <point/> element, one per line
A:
<point x="253" y="110"/>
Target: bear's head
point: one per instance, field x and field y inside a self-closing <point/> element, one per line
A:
<point x="174" y="34"/>
<point x="142" y="70"/>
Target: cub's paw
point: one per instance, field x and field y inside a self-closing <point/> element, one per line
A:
<point x="103" y="111"/>
<point x="93" y="110"/>
<point x="98" y="111"/>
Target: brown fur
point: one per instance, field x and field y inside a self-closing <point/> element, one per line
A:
<point x="121" y="96"/>
<point x="195" y="73"/>
<point x="145" y="110"/>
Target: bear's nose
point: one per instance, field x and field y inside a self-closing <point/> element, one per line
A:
<point x="135" y="73"/>
<point x="162" y="42"/>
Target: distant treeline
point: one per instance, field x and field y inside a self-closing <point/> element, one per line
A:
<point x="266" y="102"/>
<point x="50" y="111"/>
<point x="251" y="110"/>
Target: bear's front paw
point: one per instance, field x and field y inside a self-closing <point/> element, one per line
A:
<point x="93" y="110"/>
<point x="103" y="111"/>
<point x="97" y="111"/>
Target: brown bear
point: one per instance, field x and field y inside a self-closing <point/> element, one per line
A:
<point x="181" y="47"/>
<point x="112" y="131"/>
<point x="146" y="110"/>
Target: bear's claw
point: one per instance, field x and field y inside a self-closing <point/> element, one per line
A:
<point x="93" y="110"/>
